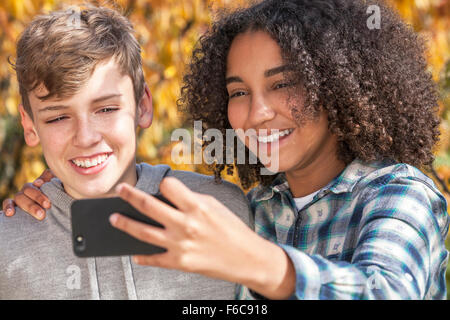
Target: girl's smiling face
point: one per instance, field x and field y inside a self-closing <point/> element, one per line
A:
<point x="259" y="98"/>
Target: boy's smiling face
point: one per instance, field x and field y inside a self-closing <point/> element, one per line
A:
<point x="89" y="139"/>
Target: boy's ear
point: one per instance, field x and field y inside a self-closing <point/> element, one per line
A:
<point x="145" y="109"/>
<point x="29" y="132"/>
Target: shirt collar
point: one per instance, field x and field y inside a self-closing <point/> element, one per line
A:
<point x="344" y="182"/>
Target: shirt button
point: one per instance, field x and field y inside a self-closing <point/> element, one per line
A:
<point x="409" y="277"/>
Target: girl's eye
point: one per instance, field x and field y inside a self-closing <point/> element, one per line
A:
<point x="58" y="119"/>
<point x="237" y="94"/>
<point x="281" y="85"/>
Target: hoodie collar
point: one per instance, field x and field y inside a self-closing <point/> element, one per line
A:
<point x="149" y="178"/>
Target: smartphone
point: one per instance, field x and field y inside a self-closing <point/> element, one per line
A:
<point x="94" y="236"/>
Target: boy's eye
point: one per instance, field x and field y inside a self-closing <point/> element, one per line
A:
<point x="58" y="119"/>
<point x="107" y="110"/>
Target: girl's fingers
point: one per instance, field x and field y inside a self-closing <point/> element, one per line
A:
<point x="156" y="260"/>
<point x="29" y="206"/>
<point x="139" y="230"/>
<point x="150" y="206"/>
<point x="38" y="182"/>
<point x="36" y="195"/>
<point x="8" y="207"/>
<point x="177" y="193"/>
<point x="46" y="176"/>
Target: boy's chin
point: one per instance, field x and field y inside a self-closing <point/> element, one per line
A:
<point x="89" y="193"/>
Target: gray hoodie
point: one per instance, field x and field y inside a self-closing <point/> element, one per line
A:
<point x="37" y="261"/>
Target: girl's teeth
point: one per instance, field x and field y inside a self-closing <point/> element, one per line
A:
<point x="274" y="136"/>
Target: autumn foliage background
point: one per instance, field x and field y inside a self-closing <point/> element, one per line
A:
<point x="167" y="31"/>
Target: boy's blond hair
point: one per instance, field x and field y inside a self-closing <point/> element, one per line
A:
<point x="60" y="50"/>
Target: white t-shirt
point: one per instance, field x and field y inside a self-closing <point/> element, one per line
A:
<point x="302" y="201"/>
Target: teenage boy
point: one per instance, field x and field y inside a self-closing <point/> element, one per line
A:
<point x="84" y="96"/>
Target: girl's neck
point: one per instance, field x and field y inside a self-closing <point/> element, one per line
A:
<point x="317" y="173"/>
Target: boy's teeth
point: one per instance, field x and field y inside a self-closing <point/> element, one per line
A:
<point x="274" y="136"/>
<point x="91" y="162"/>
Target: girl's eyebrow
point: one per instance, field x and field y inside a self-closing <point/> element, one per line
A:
<point x="267" y="73"/>
<point x="233" y="79"/>
<point x="277" y="70"/>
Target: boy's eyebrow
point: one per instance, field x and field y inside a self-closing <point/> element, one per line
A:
<point x="106" y="97"/>
<point x="52" y="108"/>
<point x="267" y="73"/>
<point x="96" y="100"/>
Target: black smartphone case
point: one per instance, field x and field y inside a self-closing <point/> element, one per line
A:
<point x="94" y="236"/>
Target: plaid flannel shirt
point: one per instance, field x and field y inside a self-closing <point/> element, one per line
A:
<point x="376" y="231"/>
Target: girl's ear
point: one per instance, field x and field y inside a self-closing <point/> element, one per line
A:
<point x="29" y="132"/>
<point x="145" y="109"/>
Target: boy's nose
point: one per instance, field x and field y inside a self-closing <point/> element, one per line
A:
<point x="86" y="134"/>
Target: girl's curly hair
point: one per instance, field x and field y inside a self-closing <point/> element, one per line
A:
<point x="374" y="84"/>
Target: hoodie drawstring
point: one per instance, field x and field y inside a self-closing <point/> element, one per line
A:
<point x="129" y="278"/>
<point x="93" y="278"/>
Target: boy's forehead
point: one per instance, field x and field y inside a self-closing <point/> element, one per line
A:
<point x="35" y="96"/>
<point x="106" y="78"/>
<point x="41" y="90"/>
